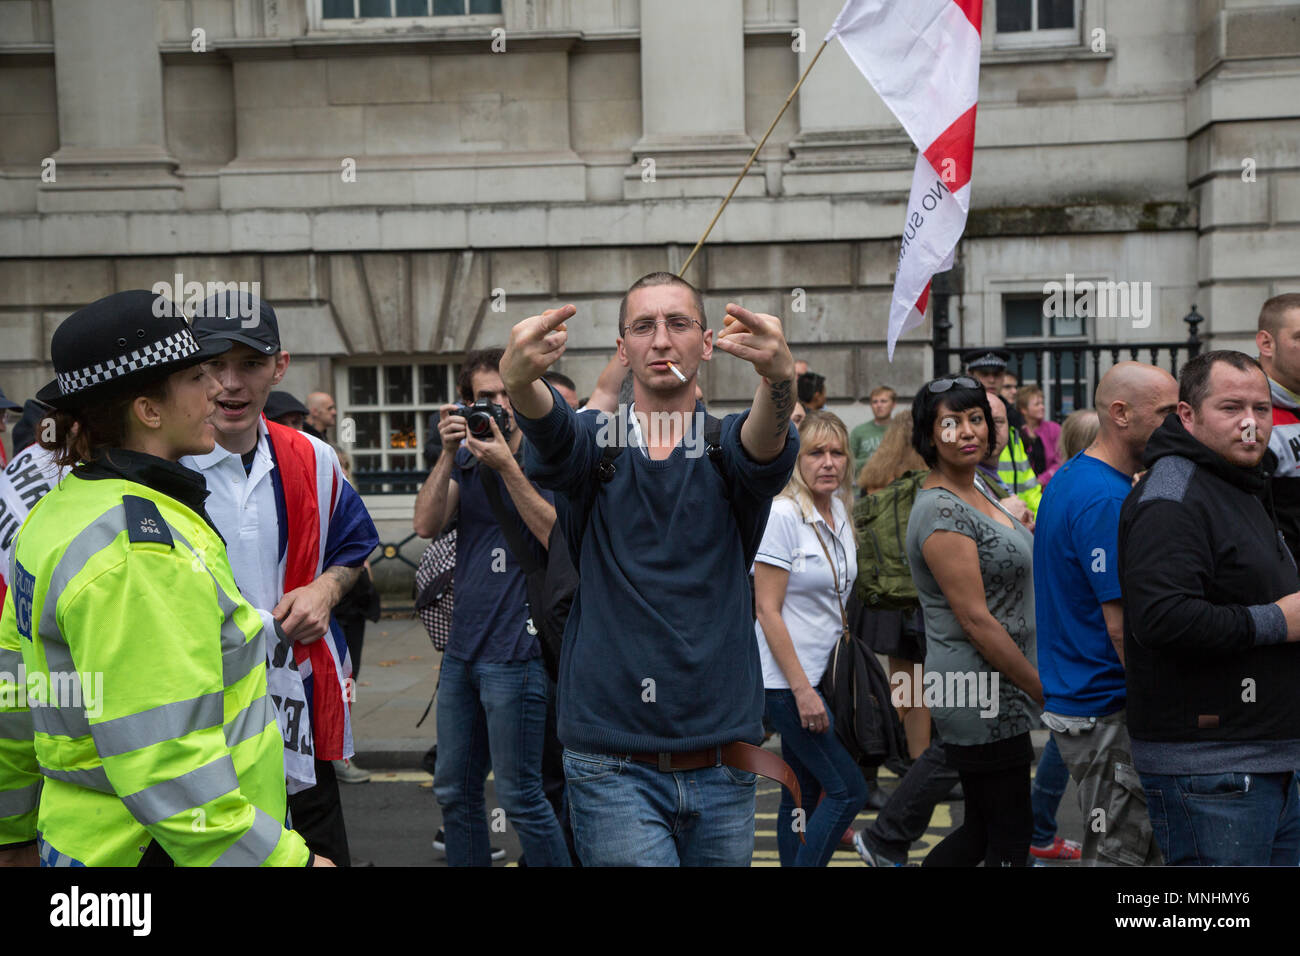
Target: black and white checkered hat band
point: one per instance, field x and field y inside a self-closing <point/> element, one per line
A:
<point x="173" y="348"/>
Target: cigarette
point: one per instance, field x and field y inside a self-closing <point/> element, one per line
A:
<point x="680" y="377"/>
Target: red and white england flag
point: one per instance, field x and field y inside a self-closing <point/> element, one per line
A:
<point x="923" y="59"/>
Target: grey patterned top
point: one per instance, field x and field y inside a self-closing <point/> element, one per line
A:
<point x="970" y="712"/>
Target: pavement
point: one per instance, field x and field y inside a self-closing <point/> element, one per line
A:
<point x="391" y="820"/>
<point x="399" y="670"/>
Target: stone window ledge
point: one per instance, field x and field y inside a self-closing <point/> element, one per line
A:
<point x="1057" y="54"/>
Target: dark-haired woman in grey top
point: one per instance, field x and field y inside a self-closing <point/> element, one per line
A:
<point x="971" y="562"/>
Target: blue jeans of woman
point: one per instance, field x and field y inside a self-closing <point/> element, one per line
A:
<point x="823" y="767"/>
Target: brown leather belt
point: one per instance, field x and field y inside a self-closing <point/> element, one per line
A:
<point x="737" y="755"/>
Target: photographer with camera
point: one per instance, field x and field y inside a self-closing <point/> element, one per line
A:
<point x="492" y="694"/>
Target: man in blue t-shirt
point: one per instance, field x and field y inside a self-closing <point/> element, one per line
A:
<point x="660" y="692"/>
<point x="1080" y="617"/>
<point x="492" y="693"/>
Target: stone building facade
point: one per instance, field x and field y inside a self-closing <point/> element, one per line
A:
<point x="407" y="183"/>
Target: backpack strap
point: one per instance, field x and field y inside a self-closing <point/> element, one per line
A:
<point x="712" y="440"/>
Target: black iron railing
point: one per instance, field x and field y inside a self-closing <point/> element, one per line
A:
<point x="389" y="482"/>
<point x="1070" y="370"/>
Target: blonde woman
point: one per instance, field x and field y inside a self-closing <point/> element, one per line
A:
<point x="1077" y="433"/>
<point x="893" y="458"/>
<point x="803" y="576"/>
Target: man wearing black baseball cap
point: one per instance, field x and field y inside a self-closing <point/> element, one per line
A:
<point x="297" y="534"/>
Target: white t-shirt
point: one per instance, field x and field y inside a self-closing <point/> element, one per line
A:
<point x="811" y="610"/>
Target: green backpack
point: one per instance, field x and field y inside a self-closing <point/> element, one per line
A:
<point x="884" y="576"/>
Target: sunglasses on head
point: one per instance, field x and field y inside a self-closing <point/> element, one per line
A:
<point x="943" y="384"/>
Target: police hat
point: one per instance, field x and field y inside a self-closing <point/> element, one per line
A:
<point x="122" y="339"/>
<point x="985" y="358"/>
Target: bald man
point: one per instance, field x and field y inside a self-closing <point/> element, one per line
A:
<point x="1080" y="617"/>
<point x="321" y="414"/>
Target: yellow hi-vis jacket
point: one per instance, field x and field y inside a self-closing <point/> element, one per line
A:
<point x="146" y="674"/>
<point x="1017" y="474"/>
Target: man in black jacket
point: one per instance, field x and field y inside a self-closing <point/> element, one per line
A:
<point x="1211" y="611"/>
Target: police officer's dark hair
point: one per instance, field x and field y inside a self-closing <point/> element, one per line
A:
<point x="958" y="398"/>
<point x="489" y="359"/>
<point x="100" y="424"/>
<point x="1194" y="379"/>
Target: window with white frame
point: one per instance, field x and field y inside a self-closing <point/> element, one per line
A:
<point x="1061" y="371"/>
<point x="334" y="11"/>
<point x="1033" y="23"/>
<point x="384" y="416"/>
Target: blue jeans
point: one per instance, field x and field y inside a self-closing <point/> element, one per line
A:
<point x="1225" y="819"/>
<point x="627" y="813"/>
<point x="494" y="714"/>
<point x="1049" y="787"/>
<point x="822" y="766"/>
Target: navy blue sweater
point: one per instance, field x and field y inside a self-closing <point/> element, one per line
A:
<point x="659" y="650"/>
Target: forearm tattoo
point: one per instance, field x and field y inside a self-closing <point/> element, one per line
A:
<point x="783" y="403"/>
<point x="342" y="578"/>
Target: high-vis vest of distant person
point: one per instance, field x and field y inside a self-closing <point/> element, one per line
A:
<point x="149" y="718"/>
<point x="1017" y="474"/>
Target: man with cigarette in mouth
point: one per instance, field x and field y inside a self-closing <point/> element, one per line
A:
<point x="660" y="691"/>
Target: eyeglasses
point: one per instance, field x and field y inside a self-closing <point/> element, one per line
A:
<point x="943" y="384"/>
<point x="677" y="325"/>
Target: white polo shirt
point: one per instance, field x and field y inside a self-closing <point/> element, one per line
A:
<point x="242" y="506"/>
<point x="811" y="611"/>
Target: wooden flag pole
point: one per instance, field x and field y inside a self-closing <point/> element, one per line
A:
<point x="750" y="162"/>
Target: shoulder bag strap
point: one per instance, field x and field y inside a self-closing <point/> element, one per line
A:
<point x="514" y="539"/>
<point x="835" y="571"/>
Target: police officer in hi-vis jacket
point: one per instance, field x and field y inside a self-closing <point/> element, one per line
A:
<point x="135" y="726"/>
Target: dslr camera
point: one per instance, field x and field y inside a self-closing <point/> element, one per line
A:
<point x="479" y="417"/>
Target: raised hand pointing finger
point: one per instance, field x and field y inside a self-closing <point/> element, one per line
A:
<point x="535" y="345"/>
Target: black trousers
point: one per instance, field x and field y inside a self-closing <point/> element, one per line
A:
<point x="354" y="632"/>
<point x="907" y="814"/>
<point x="317" y="814"/>
<point x="998" y="822"/>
